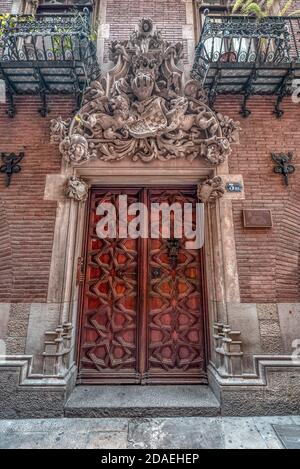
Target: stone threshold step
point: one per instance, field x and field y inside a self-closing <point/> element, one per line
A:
<point x="142" y="401"/>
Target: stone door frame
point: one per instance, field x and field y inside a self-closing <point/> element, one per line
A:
<point x="220" y="253"/>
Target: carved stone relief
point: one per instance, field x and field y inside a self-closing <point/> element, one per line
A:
<point x="211" y="190"/>
<point x="77" y="189"/>
<point x="143" y="111"/>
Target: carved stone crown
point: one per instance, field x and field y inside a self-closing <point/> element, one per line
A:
<point x="143" y="111"/>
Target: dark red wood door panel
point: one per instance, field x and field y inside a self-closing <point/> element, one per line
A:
<point x="142" y="318"/>
<point x="110" y="302"/>
<point x="175" y="317"/>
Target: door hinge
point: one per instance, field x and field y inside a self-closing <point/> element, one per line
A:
<point x="80" y="270"/>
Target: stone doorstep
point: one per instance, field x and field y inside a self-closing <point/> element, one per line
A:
<point x="142" y="401"/>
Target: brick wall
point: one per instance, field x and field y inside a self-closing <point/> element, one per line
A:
<point x="268" y="259"/>
<point x="124" y="15"/>
<point x="26" y="220"/>
<point x="5" y="6"/>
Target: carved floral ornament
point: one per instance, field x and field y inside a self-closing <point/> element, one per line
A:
<point x="143" y="111"/>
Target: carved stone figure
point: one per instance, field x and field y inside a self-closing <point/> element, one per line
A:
<point x="142" y="110"/>
<point x="75" y="149"/>
<point x="230" y="128"/>
<point x="77" y="189"/>
<point x="210" y="190"/>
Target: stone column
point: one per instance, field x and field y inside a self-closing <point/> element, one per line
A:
<point x="16" y="7"/>
<point x="231" y="283"/>
<point x="188" y="33"/>
<point x="102" y="31"/>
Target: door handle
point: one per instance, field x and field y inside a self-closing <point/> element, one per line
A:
<point x="173" y="247"/>
<point x="155" y="272"/>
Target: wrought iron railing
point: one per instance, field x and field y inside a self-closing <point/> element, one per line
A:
<point x="59" y="38"/>
<point x="47" y="54"/>
<point x="247" y="40"/>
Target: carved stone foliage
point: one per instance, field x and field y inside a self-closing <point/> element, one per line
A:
<point x="77" y="189"/>
<point x="143" y="111"/>
<point x="58" y="130"/>
<point x="211" y="190"/>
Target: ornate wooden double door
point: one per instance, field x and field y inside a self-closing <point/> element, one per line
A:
<point x="142" y="313"/>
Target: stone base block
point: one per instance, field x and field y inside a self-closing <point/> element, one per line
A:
<point x="25" y="396"/>
<point x="278" y="395"/>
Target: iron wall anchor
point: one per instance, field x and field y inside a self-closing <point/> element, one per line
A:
<point x="11" y="165"/>
<point x="284" y="167"/>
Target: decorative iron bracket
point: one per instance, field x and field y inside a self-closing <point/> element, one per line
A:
<point x="11" y="90"/>
<point x="284" y="167"/>
<point x="213" y="90"/>
<point x="43" y="90"/>
<point x="282" y="91"/>
<point x="77" y="89"/>
<point x="11" y="165"/>
<point x="12" y="110"/>
<point x="248" y="91"/>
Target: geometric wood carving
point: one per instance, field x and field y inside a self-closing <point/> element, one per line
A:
<point x="142" y="317"/>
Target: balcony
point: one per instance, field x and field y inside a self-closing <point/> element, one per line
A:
<point x="47" y="54"/>
<point x="248" y="56"/>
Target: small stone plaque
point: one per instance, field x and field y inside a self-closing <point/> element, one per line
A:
<point x="234" y="187"/>
<point x="257" y="218"/>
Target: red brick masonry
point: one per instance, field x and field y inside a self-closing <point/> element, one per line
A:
<point x="26" y="220"/>
<point x="268" y="259"/>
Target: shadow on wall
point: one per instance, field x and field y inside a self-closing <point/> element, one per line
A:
<point x="6" y="266"/>
<point x="288" y="251"/>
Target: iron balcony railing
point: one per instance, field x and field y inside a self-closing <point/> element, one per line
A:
<point x="50" y="53"/>
<point x="240" y="39"/>
<point x="238" y="54"/>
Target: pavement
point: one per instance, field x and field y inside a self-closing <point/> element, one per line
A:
<point x="151" y="433"/>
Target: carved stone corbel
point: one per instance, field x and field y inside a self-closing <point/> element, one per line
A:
<point x="211" y="190"/>
<point x="228" y="349"/>
<point x="77" y="189"/>
<point x="57" y="350"/>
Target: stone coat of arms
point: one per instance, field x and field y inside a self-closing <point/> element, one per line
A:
<point x="143" y="111"/>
